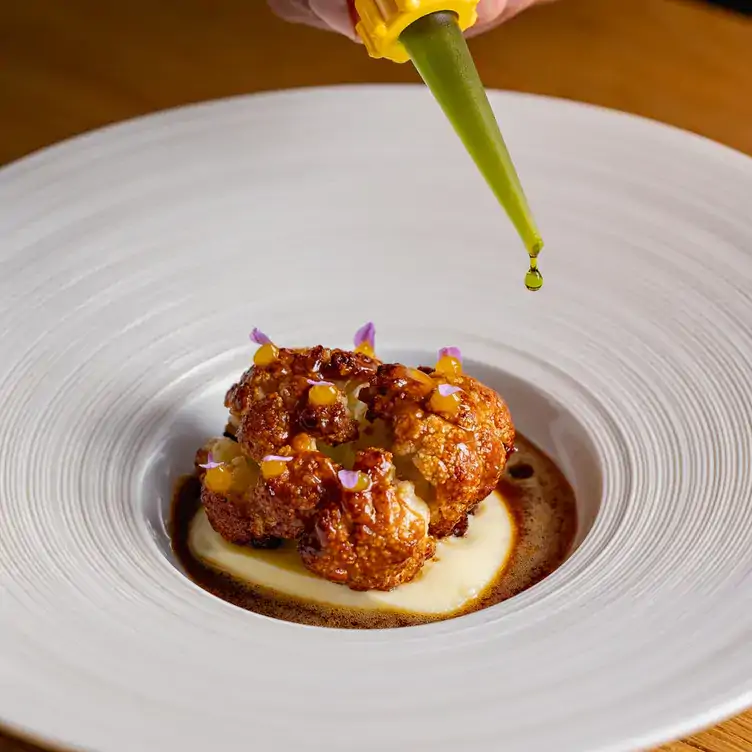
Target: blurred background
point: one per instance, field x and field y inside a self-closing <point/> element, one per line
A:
<point x="68" y="66"/>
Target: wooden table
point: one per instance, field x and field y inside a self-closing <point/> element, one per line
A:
<point x="67" y="66"/>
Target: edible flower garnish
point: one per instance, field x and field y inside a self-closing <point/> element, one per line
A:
<point x="446" y="399"/>
<point x="445" y="390"/>
<point x="210" y="463"/>
<point x="450" y="352"/>
<point x="365" y="339"/>
<point x="259" y="337"/>
<point x="267" y="353"/>
<point x="275" y="458"/>
<point x="353" y="480"/>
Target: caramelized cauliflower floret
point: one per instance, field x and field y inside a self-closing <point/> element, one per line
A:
<point x="271" y="404"/>
<point x="273" y="508"/>
<point x="373" y="539"/>
<point x="458" y="445"/>
<point x="229" y="514"/>
<point x="425" y="447"/>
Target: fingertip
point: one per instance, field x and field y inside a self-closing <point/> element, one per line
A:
<point x="489" y="11"/>
<point x="336" y="15"/>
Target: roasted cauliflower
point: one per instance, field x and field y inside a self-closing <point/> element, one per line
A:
<point x="364" y="464"/>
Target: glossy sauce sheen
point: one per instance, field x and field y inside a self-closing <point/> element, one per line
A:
<point x="540" y="499"/>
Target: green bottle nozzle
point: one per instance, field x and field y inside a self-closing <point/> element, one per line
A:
<point x="439" y="51"/>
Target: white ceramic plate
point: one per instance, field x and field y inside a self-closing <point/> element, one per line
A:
<point x="136" y="260"/>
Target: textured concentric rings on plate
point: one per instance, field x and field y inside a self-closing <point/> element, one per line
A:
<point x="135" y="261"/>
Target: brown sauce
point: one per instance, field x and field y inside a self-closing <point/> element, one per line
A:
<point x="538" y="495"/>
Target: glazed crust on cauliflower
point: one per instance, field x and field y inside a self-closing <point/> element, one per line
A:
<point x="274" y="508"/>
<point x="461" y="453"/>
<point x="428" y="445"/>
<point x="269" y="406"/>
<point x="370" y="540"/>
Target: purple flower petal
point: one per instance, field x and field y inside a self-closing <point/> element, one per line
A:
<point x="259" y="337"/>
<point x="451" y="352"/>
<point x="366" y="335"/>
<point x="349" y="479"/>
<point x="210" y="463"/>
<point x="313" y="382"/>
<point x="446" y="389"/>
<point x="275" y="458"/>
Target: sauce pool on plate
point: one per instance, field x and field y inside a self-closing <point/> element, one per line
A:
<point x="517" y="536"/>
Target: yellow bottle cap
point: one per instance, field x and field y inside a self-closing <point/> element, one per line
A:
<point x="380" y="22"/>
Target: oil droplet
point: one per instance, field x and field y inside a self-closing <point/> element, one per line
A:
<point x="533" y="278"/>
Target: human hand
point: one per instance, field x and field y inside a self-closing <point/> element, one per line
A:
<point x="335" y="14"/>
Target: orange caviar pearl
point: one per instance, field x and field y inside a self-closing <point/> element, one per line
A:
<point x="218" y="479"/>
<point x="266" y="355"/>
<point x="273" y="468"/>
<point x="363" y="483"/>
<point x="303" y="443"/>
<point x="449" y="404"/>
<point x="449" y="366"/>
<point x="323" y="394"/>
<point x="423" y="378"/>
<point x="365" y="349"/>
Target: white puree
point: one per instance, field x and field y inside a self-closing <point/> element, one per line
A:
<point x="460" y="571"/>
